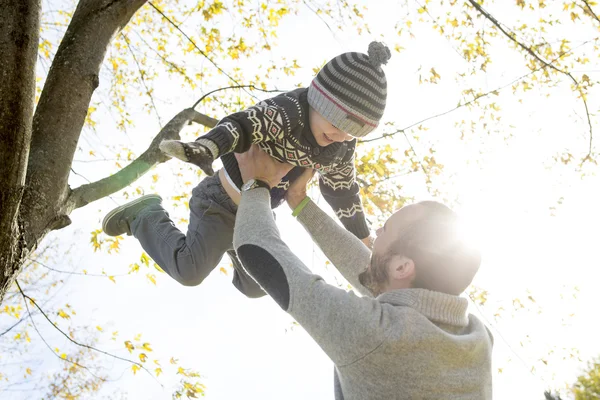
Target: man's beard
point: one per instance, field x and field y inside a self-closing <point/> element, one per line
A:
<point x="375" y="276"/>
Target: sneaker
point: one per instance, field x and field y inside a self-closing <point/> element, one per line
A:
<point x="117" y="221"/>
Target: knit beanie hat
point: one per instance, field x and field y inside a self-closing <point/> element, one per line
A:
<point x="350" y="90"/>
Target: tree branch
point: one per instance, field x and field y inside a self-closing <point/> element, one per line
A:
<point x="461" y="105"/>
<point x="88" y="193"/>
<point x="511" y="36"/>
<point x="589" y="10"/>
<point x="139" y="68"/>
<point x="25" y="298"/>
<point x="73" y="272"/>
<point x="44" y="340"/>
<point x="10" y="328"/>
<point x="169" y="20"/>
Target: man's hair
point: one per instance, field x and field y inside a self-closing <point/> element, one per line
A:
<point x="443" y="261"/>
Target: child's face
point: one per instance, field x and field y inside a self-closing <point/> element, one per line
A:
<point x="325" y="133"/>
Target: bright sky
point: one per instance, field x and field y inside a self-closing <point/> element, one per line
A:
<point x="247" y="349"/>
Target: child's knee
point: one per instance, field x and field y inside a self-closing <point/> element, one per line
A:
<point x="189" y="272"/>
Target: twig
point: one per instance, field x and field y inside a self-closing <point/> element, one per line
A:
<point x="589" y="9"/>
<point x="511" y="36"/>
<point x="12" y="327"/>
<point x="44" y="340"/>
<point x="71" y="272"/>
<point x="73" y="171"/>
<point x="75" y="342"/>
<point x="322" y="20"/>
<point x="252" y="87"/>
<point x="143" y="79"/>
<point x="193" y="43"/>
<point x="498" y="89"/>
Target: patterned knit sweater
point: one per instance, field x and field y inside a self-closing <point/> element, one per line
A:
<point x="280" y="126"/>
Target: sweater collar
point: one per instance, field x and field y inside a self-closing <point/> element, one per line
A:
<point x="435" y="306"/>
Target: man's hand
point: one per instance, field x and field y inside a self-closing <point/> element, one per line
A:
<point x="297" y="190"/>
<point x="256" y="164"/>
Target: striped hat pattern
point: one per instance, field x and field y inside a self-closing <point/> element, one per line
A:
<point x="350" y="90"/>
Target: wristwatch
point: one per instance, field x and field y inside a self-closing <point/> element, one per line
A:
<point x="255" y="183"/>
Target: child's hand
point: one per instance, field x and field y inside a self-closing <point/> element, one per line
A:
<point x="297" y="190"/>
<point x="256" y="164"/>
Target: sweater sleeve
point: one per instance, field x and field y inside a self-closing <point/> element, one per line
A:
<point x="345" y="326"/>
<point x="268" y="120"/>
<point x="341" y="191"/>
<point x="348" y="254"/>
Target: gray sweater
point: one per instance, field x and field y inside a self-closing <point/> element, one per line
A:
<point x="404" y="344"/>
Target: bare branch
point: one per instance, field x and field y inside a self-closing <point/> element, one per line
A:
<point x="169" y="20"/>
<point x="139" y="68"/>
<point x="25" y="297"/>
<point x="480" y="96"/>
<point x="251" y="87"/>
<point x="588" y="9"/>
<point x="13" y="326"/>
<point x="44" y="340"/>
<point x="512" y="37"/>
<point x="88" y="193"/>
<point x="72" y="272"/>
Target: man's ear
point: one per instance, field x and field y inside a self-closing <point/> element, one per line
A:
<point x="402" y="268"/>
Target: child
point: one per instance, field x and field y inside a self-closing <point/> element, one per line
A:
<point x="308" y="128"/>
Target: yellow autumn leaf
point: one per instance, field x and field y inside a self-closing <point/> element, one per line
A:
<point x="28" y="370"/>
<point x="145" y="259"/>
<point x="112" y="278"/>
<point x="158" y="371"/>
<point x="135" y="368"/>
<point x="129" y="346"/>
<point x="146" y="346"/>
<point x="63" y="356"/>
<point x="143" y="357"/>
<point x="61" y="313"/>
<point x="138" y="337"/>
<point x="223" y="271"/>
<point x="173" y="361"/>
<point x="99" y="328"/>
<point x="151" y="278"/>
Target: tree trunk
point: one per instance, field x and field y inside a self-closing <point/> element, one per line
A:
<point x="19" y="38"/>
<point x="61" y="111"/>
<point x="44" y="145"/>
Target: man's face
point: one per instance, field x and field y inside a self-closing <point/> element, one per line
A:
<point x="376" y="276"/>
<point x="325" y="133"/>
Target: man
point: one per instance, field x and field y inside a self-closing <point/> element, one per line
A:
<point x="414" y="339"/>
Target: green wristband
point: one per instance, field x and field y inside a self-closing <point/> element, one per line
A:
<point x="301" y="206"/>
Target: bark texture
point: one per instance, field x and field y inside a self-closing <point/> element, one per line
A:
<point x="19" y="38"/>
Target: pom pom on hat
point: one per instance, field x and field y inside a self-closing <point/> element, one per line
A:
<point x="379" y="54"/>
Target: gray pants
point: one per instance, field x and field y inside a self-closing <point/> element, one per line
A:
<point x="190" y="258"/>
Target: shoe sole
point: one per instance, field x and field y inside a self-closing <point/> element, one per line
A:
<point x="125" y="206"/>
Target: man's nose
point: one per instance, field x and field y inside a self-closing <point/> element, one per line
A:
<point x="378" y="231"/>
